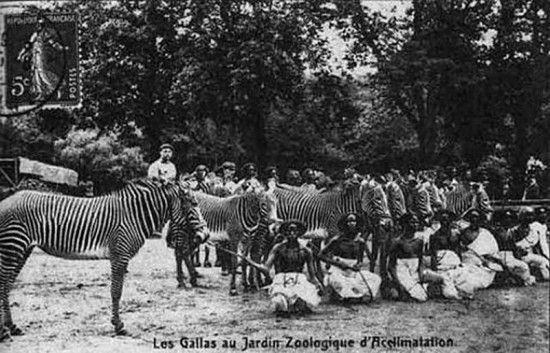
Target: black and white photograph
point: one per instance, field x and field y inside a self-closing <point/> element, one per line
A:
<point x="274" y="176"/>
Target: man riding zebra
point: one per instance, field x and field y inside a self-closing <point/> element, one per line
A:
<point x="112" y="227"/>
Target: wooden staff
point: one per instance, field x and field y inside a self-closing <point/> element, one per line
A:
<point x="247" y="259"/>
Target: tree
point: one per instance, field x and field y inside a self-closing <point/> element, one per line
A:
<point x="520" y="68"/>
<point x="100" y="157"/>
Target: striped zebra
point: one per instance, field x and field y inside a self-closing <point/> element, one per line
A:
<point x="396" y="200"/>
<point x="320" y="211"/>
<point x="375" y="206"/>
<point x="481" y="202"/>
<point x="458" y="199"/>
<point x="436" y="203"/>
<point x="112" y="227"/>
<point x="420" y="202"/>
<point x="236" y="220"/>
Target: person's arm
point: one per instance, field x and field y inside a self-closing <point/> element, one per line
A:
<point x="360" y="243"/>
<point x="311" y="270"/>
<point x="327" y="249"/>
<point x="153" y="171"/>
<point x="420" y="252"/>
<point x="543" y="242"/>
<point x="172" y="174"/>
<point x="394" y="247"/>
<point x="433" y="252"/>
<point x="266" y="267"/>
<point x="523" y="238"/>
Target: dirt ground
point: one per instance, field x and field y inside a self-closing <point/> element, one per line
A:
<point x="64" y="306"/>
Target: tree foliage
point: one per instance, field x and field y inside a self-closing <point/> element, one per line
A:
<point x="100" y="157"/>
<point x="250" y="80"/>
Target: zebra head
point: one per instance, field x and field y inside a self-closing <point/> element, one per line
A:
<point x="269" y="205"/>
<point x="186" y="216"/>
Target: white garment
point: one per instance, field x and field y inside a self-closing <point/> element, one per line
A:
<point x="353" y="284"/>
<point x="165" y="171"/>
<point x="289" y="287"/>
<point x="537" y="235"/>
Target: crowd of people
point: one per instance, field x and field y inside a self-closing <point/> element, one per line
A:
<point x="451" y="258"/>
<point x="436" y="253"/>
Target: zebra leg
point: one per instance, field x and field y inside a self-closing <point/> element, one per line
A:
<point x="317" y="244"/>
<point x="8" y="274"/>
<point x="193" y="274"/>
<point x="118" y="270"/>
<point x="245" y="268"/>
<point x="196" y="257"/>
<point x="254" y="275"/>
<point x="179" y="270"/>
<point x="374" y="252"/>
<point x="385" y="244"/>
<point x="233" y="270"/>
<point x="225" y="262"/>
<point x="218" y="262"/>
<point x="4" y="329"/>
<point x="207" y="256"/>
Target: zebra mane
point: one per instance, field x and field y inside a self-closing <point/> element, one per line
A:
<point x="246" y="195"/>
<point x="295" y="189"/>
<point x="336" y="190"/>
<point x="140" y="184"/>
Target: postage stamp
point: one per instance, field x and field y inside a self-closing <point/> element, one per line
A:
<point x="41" y="54"/>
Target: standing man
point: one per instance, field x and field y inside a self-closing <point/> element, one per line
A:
<point x="293" y="177"/>
<point x="201" y="184"/>
<point x="271" y="176"/>
<point x="163" y="169"/>
<point x="308" y="175"/>
<point x="481" y="200"/>
<point x="226" y="184"/>
<point x="250" y="181"/>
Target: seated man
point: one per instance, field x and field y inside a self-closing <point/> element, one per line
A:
<point x="346" y="278"/>
<point x="527" y="240"/>
<point x="405" y="262"/>
<point x="444" y="260"/>
<point x="291" y="292"/>
<point x="540" y="226"/>
<point x="506" y="256"/>
<point x="478" y="249"/>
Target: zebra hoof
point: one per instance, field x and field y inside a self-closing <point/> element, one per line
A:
<point x="207" y="264"/>
<point x="5" y="334"/>
<point x="15" y="331"/>
<point x="233" y="292"/>
<point x="193" y="281"/>
<point x="120" y="331"/>
<point x="182" y="285"/>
